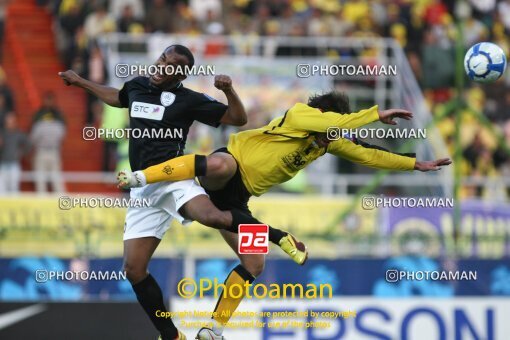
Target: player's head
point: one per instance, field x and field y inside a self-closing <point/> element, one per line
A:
<point x="178" y="58"/>
<point x="330" y="101"/>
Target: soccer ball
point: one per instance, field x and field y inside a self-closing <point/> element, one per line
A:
<point x="485" y="62"/>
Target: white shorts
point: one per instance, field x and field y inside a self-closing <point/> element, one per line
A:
<point x="166" y="198"/>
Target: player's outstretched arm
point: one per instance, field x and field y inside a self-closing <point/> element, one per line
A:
<point x="436" y="165"/>
<point x="107" y="94"/>
<point x="423" y="166"/>
<point x="387" y="116"/>
<point x="235" y="114"/>
<point x="382" y="159"/>
<point x="306" y="118"/>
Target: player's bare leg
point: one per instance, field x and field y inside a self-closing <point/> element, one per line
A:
<point x="137" y="254"/>
<point x="253" y="263"/>
<point x="221" y="167"/>
<point x="250" y="268"/>
<point x="202" y="210"/>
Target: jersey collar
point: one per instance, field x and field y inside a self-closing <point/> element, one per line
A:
<point x="177" y="86"/>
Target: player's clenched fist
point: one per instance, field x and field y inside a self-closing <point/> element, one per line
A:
<point x="70" y="77"/>
<point x="222" y="82"/>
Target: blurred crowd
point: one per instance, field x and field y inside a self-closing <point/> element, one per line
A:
<point x="42" y="144"/>
<point x="426" y="30"/>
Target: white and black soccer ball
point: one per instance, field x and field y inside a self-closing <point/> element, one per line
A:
<point x="485" y="62"/>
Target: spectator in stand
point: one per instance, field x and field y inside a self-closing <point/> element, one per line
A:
<point x="338" y="26"/>
<point x="202" y="8"/>
<point x="483" y="11"/>
<point x="504" y="14"/>
<point x="47" y="134"/>
<point x="48" y="110"/>
<point x="3" y="111"/>
<point x="117" y="8"/>
<point x="159" y="17"/>
<point x="500" y="98"/>
<point x="99" y="22"/>
<point x="236" y="21"/>
<point x="288" y="21"/>
<point x="6" y="91"/>
<point x="501" y="158"/>
<point x="127" y="20"/>
<point x="181" y="18"/>
<point x="434" y="12"/>
<point x="473" y="151"/>
<point x="499" y="37"/>
<point x="394" y="23"/>
<point x="436" y="57"/>
<point x="354" y="10"/>
<point x="3" y="10"/>
<point x="317" y="26"/>
<point x="474" y="31"/>
<point x="13" y="145"/>
<point x="73" y="18"/>
<point x="78" y="52"/>
<point x="212" y="25"/>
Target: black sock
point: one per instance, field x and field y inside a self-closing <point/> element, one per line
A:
<point x="240" y="217"/>
<point x="150" y="297"/>
<point x="200" y="165"/>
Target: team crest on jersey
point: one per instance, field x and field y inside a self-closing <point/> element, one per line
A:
<point x="167" y="98"/>
<point x="295" y="160"/>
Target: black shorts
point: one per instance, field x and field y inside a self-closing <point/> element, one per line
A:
<point x="233" y="195"/>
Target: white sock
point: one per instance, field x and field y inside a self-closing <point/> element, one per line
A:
<point x="217" y="328"/>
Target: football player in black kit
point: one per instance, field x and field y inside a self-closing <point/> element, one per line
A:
<point x="162" y="102"/>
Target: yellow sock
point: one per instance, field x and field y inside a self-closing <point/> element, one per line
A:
<point x="176" y="169"/>
<point x="227" y="305"/>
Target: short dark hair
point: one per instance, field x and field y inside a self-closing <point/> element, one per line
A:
<point x="330" y="101"/>
<point x="184" y="51"/>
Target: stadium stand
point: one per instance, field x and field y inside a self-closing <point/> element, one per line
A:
<point x="424" y="28"/>
<point x="31" y="70"/>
